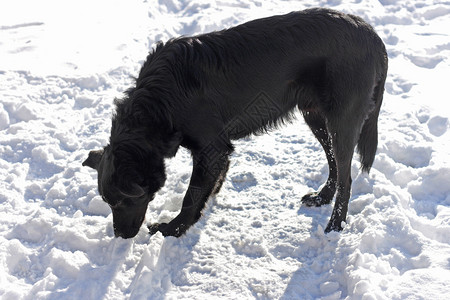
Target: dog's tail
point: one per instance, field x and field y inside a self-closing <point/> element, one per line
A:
<point x="368" y="139"/>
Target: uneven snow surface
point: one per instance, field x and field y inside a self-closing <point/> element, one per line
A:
<point x="61" y="65"/>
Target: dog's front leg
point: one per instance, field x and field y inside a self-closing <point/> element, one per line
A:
<point x="209" y="165"/>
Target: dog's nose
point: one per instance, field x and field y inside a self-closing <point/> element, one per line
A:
<point x="124" y="235"/>
<point x="128" y="229"/>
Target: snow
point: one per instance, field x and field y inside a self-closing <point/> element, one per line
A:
<point x="61" y="65"/>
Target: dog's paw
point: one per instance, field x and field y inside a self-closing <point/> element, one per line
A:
<point x="167" y="229"/>
<point x="313" y="199"/>
<point x="334" y="226"/>
<point x="154" y="228"/>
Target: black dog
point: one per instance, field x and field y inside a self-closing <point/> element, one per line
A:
<point x="202" y="92"/>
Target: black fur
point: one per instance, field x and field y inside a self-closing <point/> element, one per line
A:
<point x="202" y="92"/>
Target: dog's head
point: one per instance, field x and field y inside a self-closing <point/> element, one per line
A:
<point x="127" y="181"/>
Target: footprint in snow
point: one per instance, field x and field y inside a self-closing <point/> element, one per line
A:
<point x="428" y="62"/>
<point x="243" y="181"/>
<point x="436" y="12"/>
<point x="438" y="125"/>
<point x="398" y="86"/>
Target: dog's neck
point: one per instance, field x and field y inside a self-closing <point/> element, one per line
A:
<point x="145" y="138"/>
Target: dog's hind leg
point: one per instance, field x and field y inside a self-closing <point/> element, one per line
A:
<point x="318" y="127"/>
<point x="344" y="128"/>
<point x="210" y="164"/>
<point x="343" y="149"/>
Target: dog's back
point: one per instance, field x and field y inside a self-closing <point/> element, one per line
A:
<point x="285" y="61"/>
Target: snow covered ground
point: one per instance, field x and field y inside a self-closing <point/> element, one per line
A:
<point x="61" y="65"/>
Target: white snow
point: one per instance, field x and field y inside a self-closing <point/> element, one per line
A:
<point x="61" y="65"/>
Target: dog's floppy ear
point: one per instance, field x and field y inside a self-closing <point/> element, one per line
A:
<point x="135" y="191"/>
<point x="93" y="159"/>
